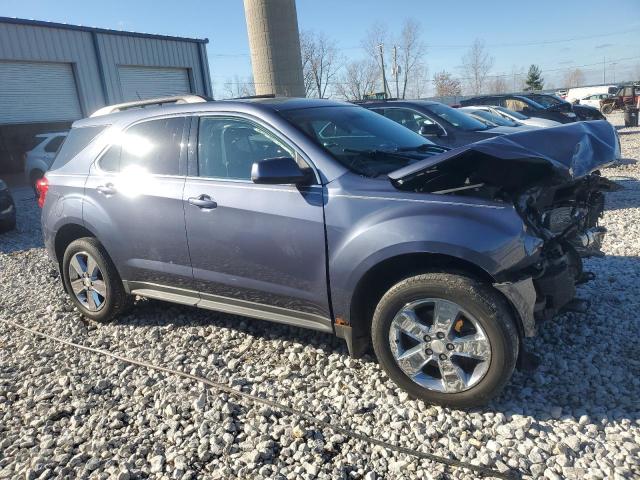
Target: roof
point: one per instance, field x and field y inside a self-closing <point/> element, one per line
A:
<point x="42" y="23"/>
<point x="408" y="103"/>
<point x="244" y="105"/>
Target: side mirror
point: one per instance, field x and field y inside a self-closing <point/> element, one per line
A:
<point x="431" y="130"/>
<point x="276" y="171"/>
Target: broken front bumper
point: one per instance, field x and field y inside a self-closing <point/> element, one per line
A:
<point x="522" y="295"/>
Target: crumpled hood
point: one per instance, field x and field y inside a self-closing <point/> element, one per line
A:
<point x="515" y="161"/>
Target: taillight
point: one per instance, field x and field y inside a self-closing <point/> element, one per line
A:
<point x="42" y="187"/>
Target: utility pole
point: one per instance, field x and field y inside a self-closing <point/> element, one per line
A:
<point x="396" y="70"/>
<point x="384" y="76"/>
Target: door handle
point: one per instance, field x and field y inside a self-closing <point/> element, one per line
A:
<point x="108" y="189"/>
<point x="203" y="201"/>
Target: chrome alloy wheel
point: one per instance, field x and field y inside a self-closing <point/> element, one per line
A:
<point x="87" y="281"/>
<point x="439" y="346"/>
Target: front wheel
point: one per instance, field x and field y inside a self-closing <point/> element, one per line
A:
<point x="92" y="281"/>
<point x="446" y="339"/>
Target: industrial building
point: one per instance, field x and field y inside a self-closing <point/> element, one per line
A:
<point x="52" y="74"/>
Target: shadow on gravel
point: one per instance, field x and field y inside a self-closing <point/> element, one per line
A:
<point x="627" y="198"/>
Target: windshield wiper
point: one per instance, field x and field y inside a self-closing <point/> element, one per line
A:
<point x="403" y="154"/>
<point x="424" y="148"/>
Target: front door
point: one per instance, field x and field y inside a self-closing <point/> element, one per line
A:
<point x="256" y="250"/>
<point x="134" y="204"/>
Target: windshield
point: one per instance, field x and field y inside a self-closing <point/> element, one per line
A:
<point x="363" y="141"/>
<point x="512" y="113"/>
<point x="493" y="118"/>
<point x="456" y="118"/>
<point x="546" y="100"/>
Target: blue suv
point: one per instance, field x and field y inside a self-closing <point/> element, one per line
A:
<point x="326" y="215"/>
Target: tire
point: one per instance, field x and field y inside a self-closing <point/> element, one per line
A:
<point x="115" y="299"/>
<point x="7" y="225"/>
<point x="607" y="109"/>
<point x="482" y="310"/>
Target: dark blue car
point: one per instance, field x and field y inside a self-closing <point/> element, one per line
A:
<point x="328" y="216"/>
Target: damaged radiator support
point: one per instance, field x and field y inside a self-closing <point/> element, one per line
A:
<point x="479" y="470"/>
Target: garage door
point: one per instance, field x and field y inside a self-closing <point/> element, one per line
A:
<point x="33" y="92"/>
<point x="149" y="82"/>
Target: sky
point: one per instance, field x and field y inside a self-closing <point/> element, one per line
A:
<point x="557" y="36"/>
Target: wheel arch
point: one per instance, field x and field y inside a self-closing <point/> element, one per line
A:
<point x="67" y="234"/>
<point x="386" y="273"/>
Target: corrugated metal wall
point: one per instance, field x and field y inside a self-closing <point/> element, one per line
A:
<point x="96" y="56"/>
<point x="25" y="42"/>
<point x="122" y="50"/>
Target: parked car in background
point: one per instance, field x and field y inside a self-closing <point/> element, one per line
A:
<point x="626" y="96"/>
<point x="577" y="93"/>
<point x="7" y="209"/>
<point x="582" y="112"/>
<point x="518" y="116"/>
<point x="325" y="215"/>
<point x="594" y="100"/>
<point x="435" y="121"/>
<point x="561" y="113"/>
<point x="485" y="115"/>
<point x="40" y="157"/>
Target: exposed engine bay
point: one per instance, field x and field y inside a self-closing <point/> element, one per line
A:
<point x="551" y="177"/>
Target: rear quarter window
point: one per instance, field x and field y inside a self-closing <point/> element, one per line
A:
<point x="77" y="140"/>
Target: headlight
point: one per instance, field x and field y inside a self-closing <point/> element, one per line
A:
<point x="3" y="186"/>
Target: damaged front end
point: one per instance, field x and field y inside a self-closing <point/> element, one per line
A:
<point x="551" y="178"/>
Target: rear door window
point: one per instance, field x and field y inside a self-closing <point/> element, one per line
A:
<point x="54" y="144"/>
<point x="154" y="146"/>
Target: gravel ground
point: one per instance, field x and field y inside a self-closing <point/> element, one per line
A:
<point x="67" y="413"/>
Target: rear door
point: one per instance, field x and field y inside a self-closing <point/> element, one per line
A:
<point x="256" y="250"/>
<point x="134" y="203"/>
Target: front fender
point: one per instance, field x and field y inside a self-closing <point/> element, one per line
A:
<point x="365" y="231"/>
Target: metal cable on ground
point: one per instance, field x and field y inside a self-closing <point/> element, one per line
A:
<point x="483" y="471"/>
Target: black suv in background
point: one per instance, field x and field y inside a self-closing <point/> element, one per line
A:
<point x="562" y="113"/>
<point x="583" y="112"/>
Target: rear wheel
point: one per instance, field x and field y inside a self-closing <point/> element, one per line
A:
<point x="92" y="280"/>
<point x="607" y="109"/>
<point x="446" y="339"/>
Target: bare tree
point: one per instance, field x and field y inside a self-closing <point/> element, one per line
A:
<point x="320" y="63"/>
<point x="498" y="84"/>
<point x="376" y="37"/>
<point x="476" y="64"/>
<point x="358" y="79"/>
<point x="446" y="85"/>
<point x="411" y="49"/>
<point x="239" y="88"/>
<point x="418" y="84"/>
<point x="574" y="78"/>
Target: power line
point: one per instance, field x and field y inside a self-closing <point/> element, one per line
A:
<point x="498" y="75"/>
<point x="489" y="45"/>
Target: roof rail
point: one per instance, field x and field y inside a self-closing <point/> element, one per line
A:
<point x="248" y="97"/>
<point x="118" y="107"/>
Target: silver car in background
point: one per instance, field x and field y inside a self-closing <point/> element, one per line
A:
<point x="39" y="159"/>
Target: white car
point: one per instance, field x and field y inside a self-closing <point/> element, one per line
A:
<point x="518" y="116"/>
<point x="500" y="123"/>
<point x="594" y="100"/>
<point x="40" y="157"/>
